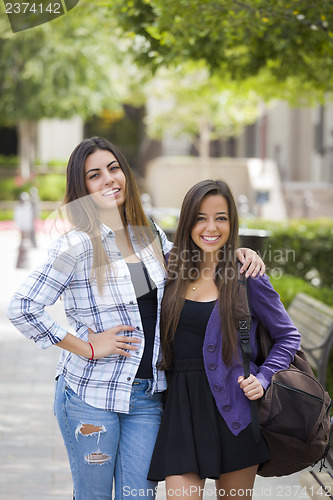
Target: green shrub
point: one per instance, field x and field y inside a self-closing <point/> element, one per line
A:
<point x="288" y="286"/>
<point x="6" y="214"/>
<point x="10" y="191"/>
<point x="51" y="187"/>
<point x="45" y="214"/>
<point x="301" y="248"/>
<point x="9" y="161"/>
<point x="57" y="163"/>
<point x="9" y="214"/>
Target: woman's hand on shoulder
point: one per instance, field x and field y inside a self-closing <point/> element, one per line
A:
<point x="252" y="263"/>
<point x="108" y="342"/>
<point x="251" y="386"/>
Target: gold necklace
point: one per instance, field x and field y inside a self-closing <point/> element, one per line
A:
<point x="194" y="288"/>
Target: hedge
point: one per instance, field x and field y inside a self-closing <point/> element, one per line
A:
<point x="51" y="187"/>
<point x="287" y="287"/>
<point x="301" y="248"/>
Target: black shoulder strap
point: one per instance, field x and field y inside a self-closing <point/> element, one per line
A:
<point x="243" y="327"/>
<point x="244" y="321"/>
<point x="156" y="231"/>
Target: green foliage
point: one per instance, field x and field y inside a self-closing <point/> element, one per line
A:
<point x="302" y="248"/>
<point x="6" y="214"/>
<point x="51" y="187"/>
<point x="288" y="286"/>
<point x="76" y="65"/>
<point x="59" y="69"/>
<point x="287" y="38"/>
<point x="11" y="189"/>
<point x="189" y="100"/>
<point x="123" y="129"/>
<point x="9" y="161"/>
<point x="57" y="163"/>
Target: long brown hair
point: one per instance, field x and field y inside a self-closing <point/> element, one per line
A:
<point x="183" y="267"/>
<point x="82" y="212"/>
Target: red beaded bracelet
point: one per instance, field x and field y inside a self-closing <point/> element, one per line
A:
<point x="92" y="351"/>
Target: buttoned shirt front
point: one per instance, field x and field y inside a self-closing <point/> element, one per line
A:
<point x="104" y="383"/>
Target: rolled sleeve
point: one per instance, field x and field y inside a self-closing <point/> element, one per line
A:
<point x="42" y="288"/>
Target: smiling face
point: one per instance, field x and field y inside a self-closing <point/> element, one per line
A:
<point x="105" y="180"/>
<point x="212" y="228"/>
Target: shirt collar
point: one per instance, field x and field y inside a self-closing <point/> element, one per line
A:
<point x="106" y="231"/>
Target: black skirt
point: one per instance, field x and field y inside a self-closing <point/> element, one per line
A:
<point x="193" y="436"/>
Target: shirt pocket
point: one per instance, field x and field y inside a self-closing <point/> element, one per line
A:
<point x="118" y="292"/>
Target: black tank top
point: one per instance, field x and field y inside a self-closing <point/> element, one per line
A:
<point x="146" y="293"/>
<point x="190" y="333"/>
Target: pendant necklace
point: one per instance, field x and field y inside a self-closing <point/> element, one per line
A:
<point x="194" y="288"/>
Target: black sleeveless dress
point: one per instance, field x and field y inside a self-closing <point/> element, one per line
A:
<point x="193" y="436"/>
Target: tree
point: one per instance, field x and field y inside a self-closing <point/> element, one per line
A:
<point x="64" y="68"/>
<point x="288" y="38"/>
<point x="200" y="105"/>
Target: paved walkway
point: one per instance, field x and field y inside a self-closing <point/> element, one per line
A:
<point x="33" y="460"/>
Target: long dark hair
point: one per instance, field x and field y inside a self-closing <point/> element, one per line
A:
<point x="183" y="267"/>
<point x="82" y="212"/>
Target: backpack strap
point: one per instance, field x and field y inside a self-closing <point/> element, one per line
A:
<point x="156" y="231"/>
<point x="244" y="322"/>
<point x="243" y="327"/>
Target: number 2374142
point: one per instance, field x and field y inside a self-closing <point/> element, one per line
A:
<point x="33" y="8"/>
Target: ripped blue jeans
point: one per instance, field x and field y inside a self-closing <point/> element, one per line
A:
<point x="103" y="446"/>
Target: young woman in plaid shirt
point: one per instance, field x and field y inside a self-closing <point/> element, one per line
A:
<point x="109" y="271"/>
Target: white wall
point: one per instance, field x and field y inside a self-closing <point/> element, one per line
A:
<point x="279" y="137"/>
<point x="290" y="141"/>
<point x="169" y="178"/>
<point x="58" y="138"/>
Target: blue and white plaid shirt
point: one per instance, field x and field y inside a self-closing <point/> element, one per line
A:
<point x="104" y="383"/>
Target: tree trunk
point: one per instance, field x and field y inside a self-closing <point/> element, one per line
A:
<point x="27" y="142"/>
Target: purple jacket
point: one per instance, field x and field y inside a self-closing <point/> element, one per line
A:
<point x="265" y="305"/>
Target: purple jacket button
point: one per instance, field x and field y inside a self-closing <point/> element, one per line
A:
<point x="217" y="387"/>
<point x="211" y="347"/>
<point x="235" y="425"/>
<point x="212" y="366"/>
<point x="226" y="407"/>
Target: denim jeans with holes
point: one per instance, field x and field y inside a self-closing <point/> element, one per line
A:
<point x="103" y="446"/>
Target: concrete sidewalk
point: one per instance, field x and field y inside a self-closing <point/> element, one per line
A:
<point x="33" y="459"/>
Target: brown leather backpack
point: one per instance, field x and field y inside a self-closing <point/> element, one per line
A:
<point x="294" y="413"/>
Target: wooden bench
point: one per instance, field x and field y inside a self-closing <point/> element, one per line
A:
<point x="314" y="321"/>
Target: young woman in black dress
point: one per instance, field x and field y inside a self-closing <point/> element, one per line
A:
<point x="205" y="430"/>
